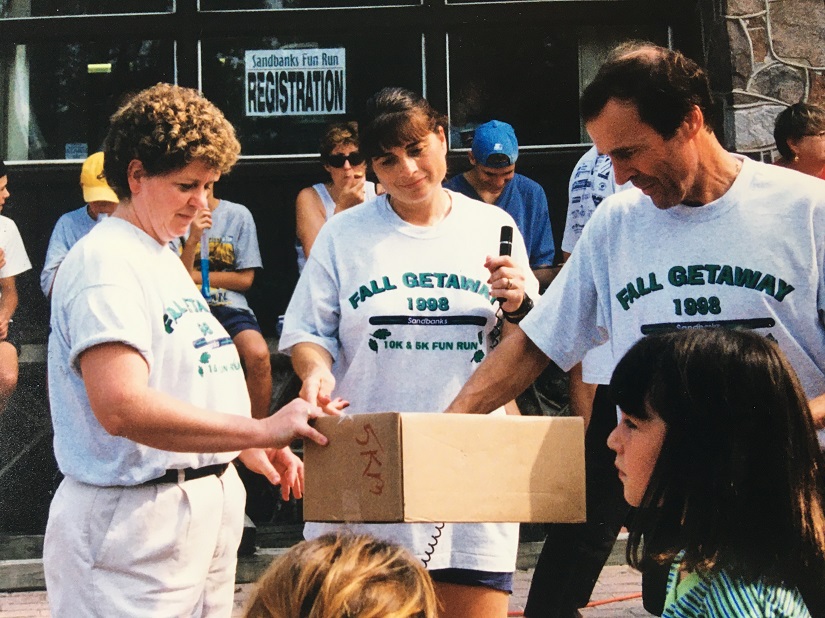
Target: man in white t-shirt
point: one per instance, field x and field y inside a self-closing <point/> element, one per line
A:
<point x="706" y="239"/>
<point x="13" y="261"/>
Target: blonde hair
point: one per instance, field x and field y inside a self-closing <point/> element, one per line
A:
<point x="344" y="576"/>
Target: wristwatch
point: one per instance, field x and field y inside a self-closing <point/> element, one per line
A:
<point x="514" y="317"/>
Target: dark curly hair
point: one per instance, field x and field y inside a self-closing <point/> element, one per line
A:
<point x="166" y="127"/>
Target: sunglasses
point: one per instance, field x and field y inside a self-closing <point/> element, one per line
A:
<point x="338" y="160"/>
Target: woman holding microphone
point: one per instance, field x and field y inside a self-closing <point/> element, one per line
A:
<point x="392" y="287"/>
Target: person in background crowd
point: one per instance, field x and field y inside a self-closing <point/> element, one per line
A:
<point x="706" y="237"/>
<point x="716" y="442"/>
<point x="800" y="138"/>
<point x="148" y="399"/>
<point x="13" y="261"/>
<point x="418" y="264"/>
<point x="551" y="590"/>
<point x="233" y="257"/>
<point x="101" y="202"/>
<point x="346" y="187"/>
<point x="343" y="574"/>
<point x="493" y="179"/>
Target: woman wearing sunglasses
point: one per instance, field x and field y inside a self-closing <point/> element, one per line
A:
<point x="347" y="186"/>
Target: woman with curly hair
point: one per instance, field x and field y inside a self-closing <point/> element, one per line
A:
<point x="716" y="448"/>
<point x="344" y="575"/>
<point x="148" y="397"/>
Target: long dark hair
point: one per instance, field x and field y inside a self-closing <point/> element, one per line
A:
<point x="396" y="117"/>
<point x="740" y="474"/>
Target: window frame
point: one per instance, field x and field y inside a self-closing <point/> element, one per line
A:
<point x="186" y="25"/>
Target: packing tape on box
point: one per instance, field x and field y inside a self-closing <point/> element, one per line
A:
<point x="350" y="505"/>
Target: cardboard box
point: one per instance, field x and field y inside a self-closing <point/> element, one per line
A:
<point x="413" y="467"/>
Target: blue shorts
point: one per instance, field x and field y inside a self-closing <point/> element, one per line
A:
<point x="469" y="577"/>
<point x="235" y="320"/>
<point x="11" y="338"/>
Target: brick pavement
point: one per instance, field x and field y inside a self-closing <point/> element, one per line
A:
<point x="615" y="581"/>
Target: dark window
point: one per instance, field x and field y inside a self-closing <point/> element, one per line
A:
<point x="56" y="8"/>
<point x="62" y="94"/>
<point x="273" y="114"/>
<point x="530" y="78"/>
<point x="236" y="5"/>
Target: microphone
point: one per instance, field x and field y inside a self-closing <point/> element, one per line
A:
<point x="505" y="246"/>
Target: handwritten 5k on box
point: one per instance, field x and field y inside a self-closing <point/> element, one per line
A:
<point x="413" y="467"/>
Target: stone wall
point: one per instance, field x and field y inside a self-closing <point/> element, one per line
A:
<point x="777" y="57"/>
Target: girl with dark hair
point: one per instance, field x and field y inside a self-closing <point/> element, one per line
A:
<point x="401" y="293"/>
<point x="716" y="446"/>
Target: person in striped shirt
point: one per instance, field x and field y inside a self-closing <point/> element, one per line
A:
<point x="717" y="446"/>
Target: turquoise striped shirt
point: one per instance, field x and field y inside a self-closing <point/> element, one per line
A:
<point x="721" y="596"/>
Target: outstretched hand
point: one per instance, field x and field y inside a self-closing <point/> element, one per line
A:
<point x="292" y="422"/>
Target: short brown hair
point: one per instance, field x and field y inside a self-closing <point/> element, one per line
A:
<point x="344" y="575"/>
<point x="797" y="121"/>
<point x="166" y="127"/>
<point x="337" y="134"/>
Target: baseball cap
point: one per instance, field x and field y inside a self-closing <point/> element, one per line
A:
<point x="94" y="187"/>
<point x="495" y="138"/>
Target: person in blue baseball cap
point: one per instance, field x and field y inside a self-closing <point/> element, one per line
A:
<point x="493" y="179"/>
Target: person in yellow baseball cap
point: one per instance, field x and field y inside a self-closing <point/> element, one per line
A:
<point x="101" y="201"/>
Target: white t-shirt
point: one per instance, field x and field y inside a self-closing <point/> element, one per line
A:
<point x="592" y="180"/>
<point x="117" y="284"/>
<point x="329" y="210"/>
<point x="17" y="260"/>
<point x="751" y="259"/>
<point x="406" y="313"/>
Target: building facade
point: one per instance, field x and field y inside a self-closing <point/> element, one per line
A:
<point x="282" y="69"/>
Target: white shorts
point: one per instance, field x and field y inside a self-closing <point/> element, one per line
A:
<point x="151" y="550"/>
